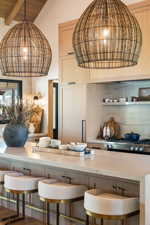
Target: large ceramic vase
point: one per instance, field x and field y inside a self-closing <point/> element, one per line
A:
<point x="15" y="135"/>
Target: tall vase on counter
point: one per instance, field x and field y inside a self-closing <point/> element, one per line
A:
<point x="16" y="131"/>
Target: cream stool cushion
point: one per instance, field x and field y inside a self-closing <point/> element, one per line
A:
<point x="20" y="182"/>
<point x="109" y="204"/>
<point x="4" y="172"/>
<point x="60" y="191"/>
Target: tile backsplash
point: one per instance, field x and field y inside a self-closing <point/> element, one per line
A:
<point x="132" y="118"/>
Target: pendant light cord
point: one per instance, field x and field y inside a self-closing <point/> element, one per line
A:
<point x="106" y="12"/>
<point x="25" y="10"/>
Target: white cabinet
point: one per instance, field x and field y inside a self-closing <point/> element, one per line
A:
<point x="73" y="111"/>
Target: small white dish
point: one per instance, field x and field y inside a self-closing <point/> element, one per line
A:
<point x="55" y="143"/>
<point x="63" y="147"/>
<point x="80" y="147"/>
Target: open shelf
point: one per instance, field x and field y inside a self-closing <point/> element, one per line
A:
<point x="126" y="103"/>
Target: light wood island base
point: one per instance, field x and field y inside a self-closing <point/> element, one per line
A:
<point x="104" y="169"/>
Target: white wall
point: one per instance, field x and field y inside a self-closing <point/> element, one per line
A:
<point x="54" y="13"/>
<point x="27" y="84"/>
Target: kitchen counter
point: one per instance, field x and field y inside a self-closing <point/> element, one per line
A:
<point x="114" y="164"/>
<point x="111" y="164"/>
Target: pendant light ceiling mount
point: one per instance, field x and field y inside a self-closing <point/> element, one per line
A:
<point x="25" y="51"/>
<point x="107" y="36"/>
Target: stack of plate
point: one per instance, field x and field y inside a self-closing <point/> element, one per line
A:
<point x="44" y="142"/>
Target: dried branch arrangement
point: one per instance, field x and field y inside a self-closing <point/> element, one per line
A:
<point x="19" y="113"/>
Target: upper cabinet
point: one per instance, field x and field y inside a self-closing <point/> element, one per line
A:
<point x="70" y="72"/>
<point x="65" y="38"/>
<point x="142" y="69"/>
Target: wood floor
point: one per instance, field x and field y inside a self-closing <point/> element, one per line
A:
<point x="6" y="212"/>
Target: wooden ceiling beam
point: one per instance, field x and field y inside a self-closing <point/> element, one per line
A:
<point x="14" y="12"/>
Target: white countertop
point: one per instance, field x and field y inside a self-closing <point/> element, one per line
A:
<point x="115" y="164"/>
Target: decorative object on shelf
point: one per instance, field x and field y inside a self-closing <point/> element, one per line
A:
<point x="115" y="100"/>
<point x="36" y="117"/>
<point x="31" y="128"/>
<point x="16" y="131"/>
<point x="25" y="51"/>
<point x="37" y="98"/>
<point x="144" y="94"/>
<point x="134" y="99"/>
<point x="126" y="103"/>
<point x="107" y="36"/>
<point x="111" y="129"/>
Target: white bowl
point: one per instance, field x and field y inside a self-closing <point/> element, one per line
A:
<point x="78" y="147"/>
<point x="63" y="147"/>
<point x="54" y="143"/>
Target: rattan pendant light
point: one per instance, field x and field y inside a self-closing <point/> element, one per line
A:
<point x="107" y="36"/>
<point x="24" y="51"/>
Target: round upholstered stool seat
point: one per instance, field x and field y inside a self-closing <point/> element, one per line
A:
<point x="60" y="191"/>
<point x="109" y="204"/>
<point x="52" y="191"/>
<point x="20" y="182"/>
<point x="3" y="173"/>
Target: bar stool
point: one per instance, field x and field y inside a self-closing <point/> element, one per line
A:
<point x="20" y="184"/>
<point x="4" y="172"/>
<point x="59" y="192"/>
<point x="109" y="206"/>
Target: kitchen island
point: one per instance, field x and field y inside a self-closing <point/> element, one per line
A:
<point x="132" y="171"/>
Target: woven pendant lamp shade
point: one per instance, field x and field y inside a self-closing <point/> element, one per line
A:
<point x="25" y="52"/>
<point x="107" y="36"/>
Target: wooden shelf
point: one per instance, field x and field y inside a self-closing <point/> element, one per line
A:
<point x="126" y="103"/>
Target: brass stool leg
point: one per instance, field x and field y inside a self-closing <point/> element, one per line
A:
<point x="124" y="221"/>
<point x="57" y="213"/>
<point x="17" y="210"/>
<point x="23" y="210"/>
<point x="23" y="205"/>
<point x="47" y="213"/>
<point x="87" y="220"/>
<point x="17" y="206"/>
<point x="15" y="218"/>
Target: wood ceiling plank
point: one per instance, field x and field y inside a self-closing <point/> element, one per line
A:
<point x="33" y="9"/>
<point x="14" y="12"/>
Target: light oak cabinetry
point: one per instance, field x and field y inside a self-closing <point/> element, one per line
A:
<point x="70" y="72"/>
<point x="65" y="38"/>
<point x="73" y="109"/>
<point x="80" y="92"/>
<point x="140" y="71"/>
<point x="79" y="102"/>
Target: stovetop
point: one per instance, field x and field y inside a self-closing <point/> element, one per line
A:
<point x="142" y="146"/>
<point x="122" y="140"/>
